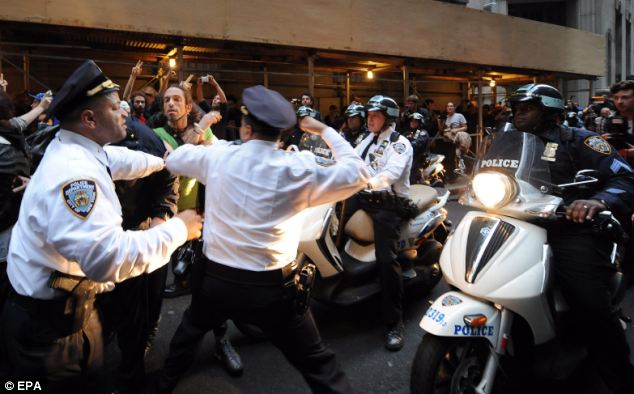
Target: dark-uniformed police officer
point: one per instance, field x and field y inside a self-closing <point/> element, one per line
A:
<point x="68" y="243"/>
<point x="419" y="138"/>
<point x="582" y="258"/>
<point x="133" y="308"/>
<point x="355" y="130"/>
<point x="251" y="243"/>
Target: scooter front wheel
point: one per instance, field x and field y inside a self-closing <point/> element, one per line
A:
<point x="445" y="365"/>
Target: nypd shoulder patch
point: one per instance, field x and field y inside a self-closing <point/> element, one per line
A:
<point x="399" y="147"/>
<point x="80" y="196"/>
<point x="598" y="144"/>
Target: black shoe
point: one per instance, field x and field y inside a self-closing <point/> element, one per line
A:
<point x="176" y="289"/>
<point x="395" y="338"/>
<point x="230" y="359"/>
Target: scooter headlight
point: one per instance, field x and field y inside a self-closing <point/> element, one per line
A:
<point x="493" y="189"/>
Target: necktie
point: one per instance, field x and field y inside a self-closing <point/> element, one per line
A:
<point x="367" y="148"/>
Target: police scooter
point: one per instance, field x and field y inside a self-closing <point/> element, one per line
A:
<point x="503" y="305"/>
<point x="433" y="170"/>
<point x="348" y="273"/>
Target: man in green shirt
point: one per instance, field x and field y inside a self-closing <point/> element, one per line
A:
<point x="181" y="128"/>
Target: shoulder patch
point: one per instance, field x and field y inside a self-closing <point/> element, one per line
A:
<point x="598" y="144"/>
<point x="80" y="196"/>
<point x="399" y="147"/>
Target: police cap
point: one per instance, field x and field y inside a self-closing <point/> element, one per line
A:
<point x="85" y="82"/>
<point x="269" y="107"/>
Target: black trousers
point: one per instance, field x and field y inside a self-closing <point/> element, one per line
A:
<point x="386" y="233"/>
<point x="583" y="272"/>
<point x="39" y="345"/>
<point x="132" y="310"/>
<point x="267" y="307"/>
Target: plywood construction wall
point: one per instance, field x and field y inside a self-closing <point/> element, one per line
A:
<point x="424" y="29"/>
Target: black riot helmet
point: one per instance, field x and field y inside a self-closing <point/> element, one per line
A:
<point x="383" y="104"/>
<point x="355" y="110"/>
<point x="305" y="111"/>
<point x="546" y="96"/>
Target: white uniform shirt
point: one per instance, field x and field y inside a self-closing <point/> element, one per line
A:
<point x="70" y="219"/>
<point x="389" y="163"/>
<point x="256" y="193"/>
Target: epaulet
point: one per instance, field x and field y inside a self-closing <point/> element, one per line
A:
<point x="567" y="133"/>
<point x="394" y="136"/>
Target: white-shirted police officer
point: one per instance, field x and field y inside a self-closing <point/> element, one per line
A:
<point x="388" y="156"/>
<point x="251" y="242"/>
<point x="68" y="243"/>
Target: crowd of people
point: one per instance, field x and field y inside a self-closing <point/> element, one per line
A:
<point x="101" y="192"/>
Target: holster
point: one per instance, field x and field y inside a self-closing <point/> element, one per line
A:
<point x="303" y="283"/>
<point x="81" y="293"/>
<point x="401" y="206"/>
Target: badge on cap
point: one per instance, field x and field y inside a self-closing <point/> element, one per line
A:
<point x="550" y="151"/>
<point x="80" y="196"/>
<point x="598" y="144"/>
<point x="399" y="147"/>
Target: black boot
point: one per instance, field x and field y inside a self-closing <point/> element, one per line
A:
<point x="395" y="338"/>
<point x="225" y="352"/>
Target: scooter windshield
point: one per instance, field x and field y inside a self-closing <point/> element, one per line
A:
<point x="520" y="155"/>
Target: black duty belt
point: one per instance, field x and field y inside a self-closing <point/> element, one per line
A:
<point x="38" y="306"/>
<point x="258" y="278"/>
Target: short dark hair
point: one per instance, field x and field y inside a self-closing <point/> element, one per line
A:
<point x="260" y="127"/>
<point x="622" y="85"/>
<point x="138" y="93"/>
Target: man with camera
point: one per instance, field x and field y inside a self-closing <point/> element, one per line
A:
<point x="249" y="271"/>
<point x="218" y="104"/>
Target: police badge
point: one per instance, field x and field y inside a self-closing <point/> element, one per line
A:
<point x="550" y="151"/>
<point x="80" y="196"/>
<point x="598" y="144"/>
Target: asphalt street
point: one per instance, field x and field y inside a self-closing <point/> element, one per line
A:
<point x="355" y="334"/>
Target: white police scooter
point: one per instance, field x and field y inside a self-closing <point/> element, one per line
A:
<point x="348" y="273"/>
<point x="498" y="265"/>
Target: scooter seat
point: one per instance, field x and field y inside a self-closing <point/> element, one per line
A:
<point x="423" y="196"/>
<point x="360" y="227"/>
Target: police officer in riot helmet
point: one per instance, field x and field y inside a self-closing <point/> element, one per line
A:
<point x="295" y="137"/>
<point x="582" y="257"/>
<point x="419" y="138"/>
<point x="388" y="156"/>
<point x="355" y="129"/>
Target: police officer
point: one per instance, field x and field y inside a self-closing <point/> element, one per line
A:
<point x="388" y="156"/>
<point x="355" y="130"/>
<point x="250" y="245"/>
<point x="295" y="137"/>
<point x="419" y="138"/>
<point x="133" y="308"/>
<point x="582" y="258"/>
<point x="68" y="243"/>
